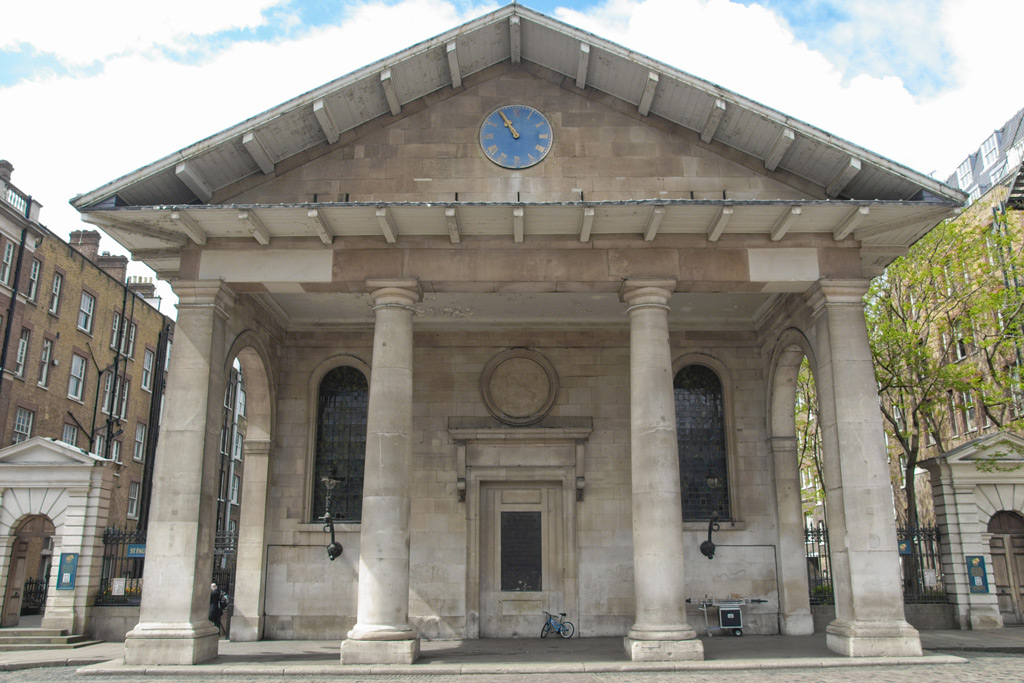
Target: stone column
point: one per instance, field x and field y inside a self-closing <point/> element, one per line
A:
<point x="250" y="579"/>
<point x="382" y="634"/>
<point x="660" y="632"/>
<point x="173" y="627"/>
<point x="794" y="602"/>
<point x="858" y="494"/>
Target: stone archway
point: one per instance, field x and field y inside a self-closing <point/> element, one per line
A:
<point x="28" y="571"/>
<point x="794" y="601"/>
<point x="1006" y="543"/>
<point x="248" y="608"/>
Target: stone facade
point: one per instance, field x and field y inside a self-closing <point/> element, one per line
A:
<point x="519" y="371"/>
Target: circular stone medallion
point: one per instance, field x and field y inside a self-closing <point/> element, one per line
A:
<point x="519" y="386"/>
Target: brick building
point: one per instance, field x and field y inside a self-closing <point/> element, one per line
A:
<point x="83" y="355"/>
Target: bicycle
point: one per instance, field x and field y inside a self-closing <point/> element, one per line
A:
<point x="564" y="628"/>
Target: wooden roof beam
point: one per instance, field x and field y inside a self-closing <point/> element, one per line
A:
<point x="713" y="120"/>
<point x="255" y="227"/>
<point x="842" y="177"/>
<point x="320" y="226"/>
<point x="582" y="65"/>
<point x="187" y="173"/>
<point x="782" y="225"/>
<point x="516" y="44"/>
<point x="650" y="85"/>
<point x="326" y="121"/>
<point x="189" y="226"/>
<point x="452" y="218"/>
<point x="451" y="50"/>
<point x="850" y="223"/>
<point x="779" y="148"/>
<point x="387" y="225"/>
<point x="719" y="222"/>
<point x="258" y="151"/>
<point x="653" y="221"/>
<point x="390" y="92"/>
<point x="586" y="223"/>
<point x="107" y="223"/>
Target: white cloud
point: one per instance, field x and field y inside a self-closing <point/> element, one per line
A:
<point x="79" y="33"/>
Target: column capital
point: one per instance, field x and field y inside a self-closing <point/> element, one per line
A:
<point x="258" y="446"/>
<point x="836" y="293"/>
<point x="646" y="292"/>
<point x="394" y="292"/>
<point x="204" y="293"/>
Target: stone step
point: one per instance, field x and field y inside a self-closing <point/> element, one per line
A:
<point x="20" y="632"/>
<point x="6" y="647"/>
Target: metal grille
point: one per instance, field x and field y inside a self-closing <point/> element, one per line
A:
<point x="921" y="563"/>
<point x="521" y="551"/>
<point x="819" y="564"/>
<point x="700" y="429"/>
<point x="341" y="443"/>
<point x="33" y="596"/>
<point x="224" y="561"/>
<point x="121" y="574"/>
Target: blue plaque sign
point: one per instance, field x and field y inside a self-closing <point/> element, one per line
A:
<point x="136" y="550"/>
<point x="976" y="576"/>
<point x="68" y="571"/>
<point x="904" y="547"/>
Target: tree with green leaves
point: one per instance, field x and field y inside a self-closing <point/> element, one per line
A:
<point x="944" y="323"/>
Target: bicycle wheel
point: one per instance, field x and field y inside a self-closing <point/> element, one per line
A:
<point x="567" y="629"/>
<point x="544" y="631"/>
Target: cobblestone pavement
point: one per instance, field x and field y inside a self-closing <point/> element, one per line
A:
<point x="991" y="668"/>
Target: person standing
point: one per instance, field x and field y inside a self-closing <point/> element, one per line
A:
<point x="218" y="601"/>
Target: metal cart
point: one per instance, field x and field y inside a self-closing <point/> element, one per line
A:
<point x="730" y="614"/>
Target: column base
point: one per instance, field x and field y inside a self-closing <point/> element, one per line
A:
<point x="982" y="619"/>
<point x="796" y="625"/>
<point x="379" y="651"/>
<point x="664" y="650"/>
<point x="873" y="639"/>
<point x="246" y="629"/>
<point x="181" y="644"/>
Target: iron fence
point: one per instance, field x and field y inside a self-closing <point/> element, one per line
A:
<point x="225" y="552"/>
<point x="33" y="596"/>
<point x="124" y="555"/>
<point x="920" y="563"/>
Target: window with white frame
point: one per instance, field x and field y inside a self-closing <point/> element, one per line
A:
<point x="100" y="444"/>
<point x="133" y="499"/>
<point x="115" y="450"/>
<point x="33" y="280"/>
<point x="76" y="379"/>
<point x="115" y="395"/>
<point x="58" y="282"/>
<point x="237" y="450"/>
<point x="70" y="435"/>
<point x="139" y="451"/>
<point x="236" y="485"/>
<point x="108" y="392"/>
<point x="970" y="411"/>
<point x="22" y="355"/>
<point x="148" y="358"/>
<point x="125" y="386"/>
<point x="128" y="341"/>
<point x="989" y="151"/>
<point x="22" y="425"/>
<point x="5" y="265"/>
<point x="116" y="327"/>
<point x="86" y="309"/>
<point x="964" y="177"/>
<point x="974" y="196"/>
<point x="954" y="423"/>
<point x="44" y="362"/>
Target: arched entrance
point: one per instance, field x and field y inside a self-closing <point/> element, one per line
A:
<point x="29" y="570"/>
<point x="1007" y="547"/>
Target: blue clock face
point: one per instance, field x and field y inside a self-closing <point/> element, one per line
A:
<point x="516" y="136"/>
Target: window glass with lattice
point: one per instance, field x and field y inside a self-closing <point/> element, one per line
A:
<point x="342" y="402"/>
<point x="700" y="430"/>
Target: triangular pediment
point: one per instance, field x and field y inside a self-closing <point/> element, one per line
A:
<point x="999" y="448"/>
<point x="42" y="451"/>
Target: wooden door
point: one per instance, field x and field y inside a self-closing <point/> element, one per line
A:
<point x="15" y="584"/>
<point x="1007" y="548"/>
<point x="522" y="557"/>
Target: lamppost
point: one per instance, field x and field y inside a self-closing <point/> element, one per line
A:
<point x="334" y="548"/>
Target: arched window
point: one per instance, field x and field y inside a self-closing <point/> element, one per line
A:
<point x="340" y="443"/>
<point x="700" y="429"/>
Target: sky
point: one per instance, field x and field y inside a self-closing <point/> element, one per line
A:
<point x="91" y="91"/>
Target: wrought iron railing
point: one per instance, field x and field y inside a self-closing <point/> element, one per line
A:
<point x="33" y="596"/>
<point x="224" y="555"/>
<point x="124" y="556"/>
<point x="920" y="562"/>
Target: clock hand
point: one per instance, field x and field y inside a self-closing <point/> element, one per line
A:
<point x="508" y="124"/>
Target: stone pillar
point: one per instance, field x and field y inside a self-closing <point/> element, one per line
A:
<point x="661" y="632"/>
<point x="963" y="534"/>
<point x="173" y="627"/>
<point x="383" y="634"/>
<point x="794" y="602"/>
<point x="858" y="494"/>
<point x="250" y="579"/>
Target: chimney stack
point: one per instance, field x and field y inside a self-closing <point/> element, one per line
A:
<point x="87" y="243"/>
